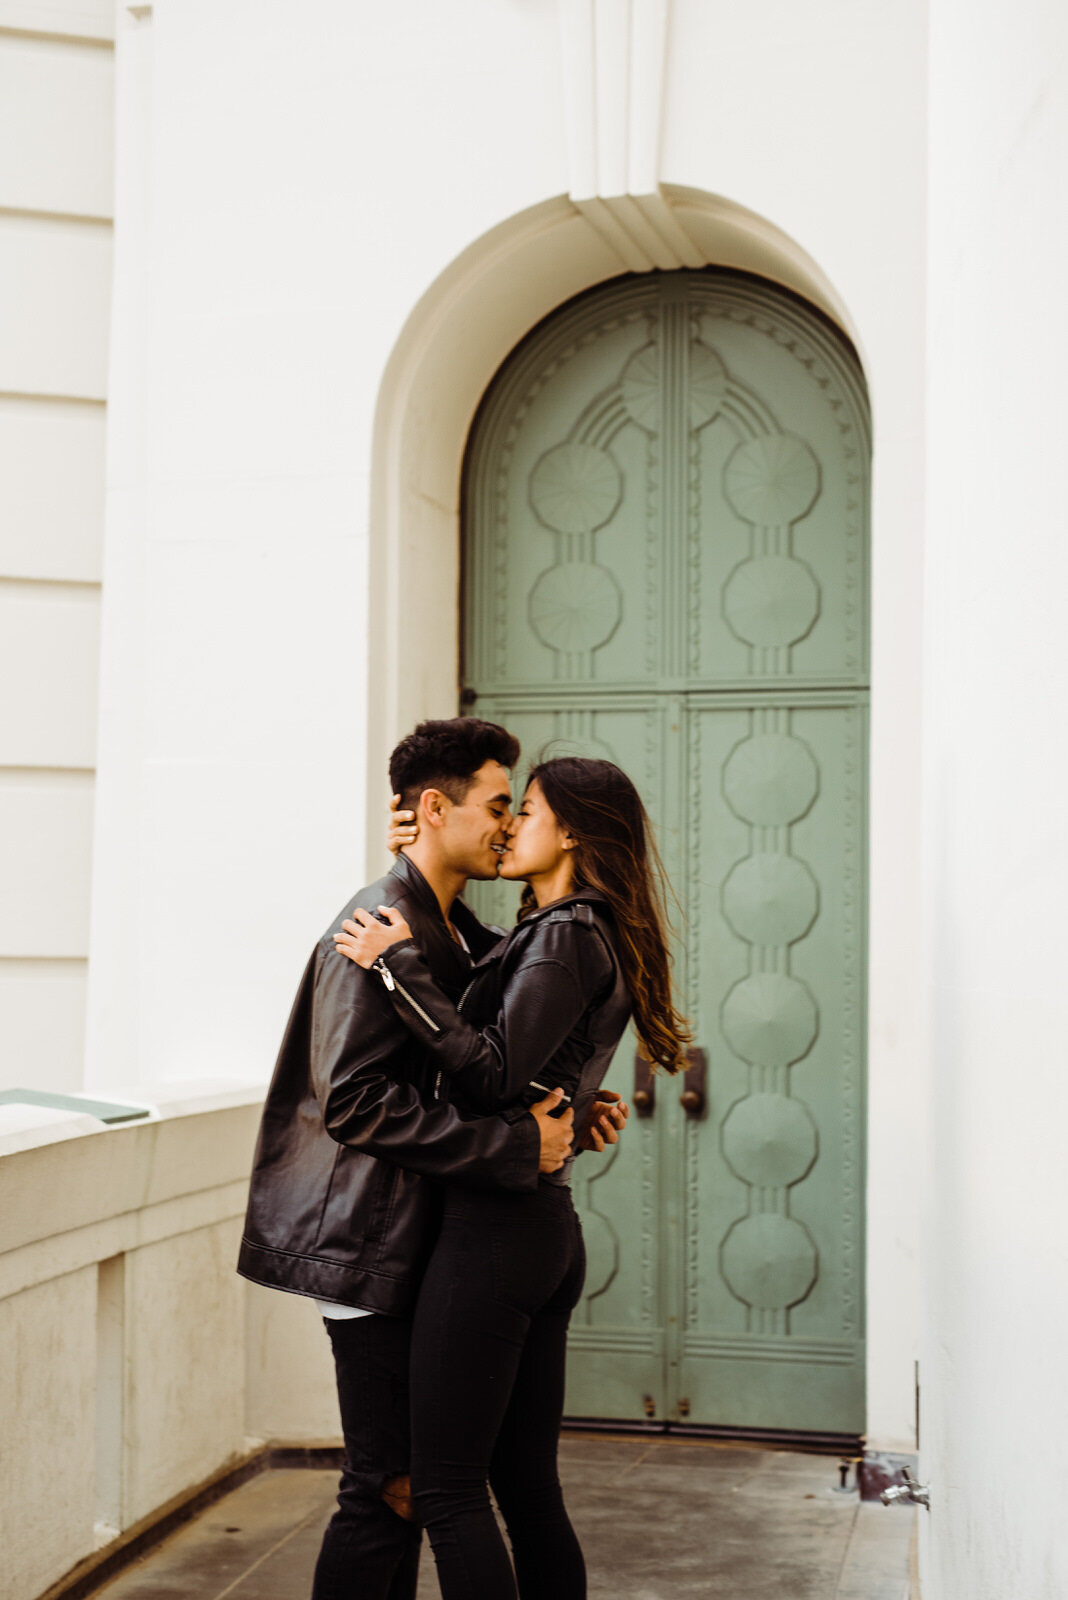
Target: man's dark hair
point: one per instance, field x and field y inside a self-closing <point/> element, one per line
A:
<point x="446" y="755"/>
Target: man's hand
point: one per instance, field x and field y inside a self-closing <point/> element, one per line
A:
<point x="606" y="1121"/>
<point x="403" y="828"/>
<point x="555" y="1132"/>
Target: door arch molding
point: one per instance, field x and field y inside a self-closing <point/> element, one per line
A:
<point x="455" y="339"/>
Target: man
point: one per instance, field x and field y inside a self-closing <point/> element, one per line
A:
<point x="356" y="1128"/>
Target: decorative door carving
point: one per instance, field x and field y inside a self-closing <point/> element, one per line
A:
<point x="666" y="564"/>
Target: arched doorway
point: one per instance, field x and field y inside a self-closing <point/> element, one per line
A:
<point x="665" y="561"/>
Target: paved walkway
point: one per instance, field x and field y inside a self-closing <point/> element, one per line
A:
<point x="658" y="1519"/>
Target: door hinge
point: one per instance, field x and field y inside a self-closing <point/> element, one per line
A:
<point x="650" y="1405"/>
<point x="684" y="1408"/>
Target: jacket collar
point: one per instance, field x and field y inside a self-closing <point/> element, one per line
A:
<point x="409" y="873"/>
<point x="579" y="897"/>
<point x="460" y="915"/>
<point x="448" y="962"/>
<point x="585" y="897"/>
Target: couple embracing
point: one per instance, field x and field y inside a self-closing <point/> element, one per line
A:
<point x="412" y="1169"/>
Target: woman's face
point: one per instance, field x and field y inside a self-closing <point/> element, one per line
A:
<point x="536" y="845"/>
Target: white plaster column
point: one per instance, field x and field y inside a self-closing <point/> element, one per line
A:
<point x="994" y="1382"/>
<point x="112" y="1030"/>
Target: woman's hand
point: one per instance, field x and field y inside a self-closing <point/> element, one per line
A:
<point x="402" y="827"/>
<point x="607" y="1119"/>
<point x="364" y="939"/>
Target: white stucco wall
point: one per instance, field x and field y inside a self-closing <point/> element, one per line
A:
<point x="56" y="129"/>
<point x="280" y="255"/>
<point x="288" y="193"/>
<point x="293" y="196"/>
<point x="122" y="1321"/>
<point x="994" y="1386"/>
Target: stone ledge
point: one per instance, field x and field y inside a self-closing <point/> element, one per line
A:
<point x="59" y="1173"/>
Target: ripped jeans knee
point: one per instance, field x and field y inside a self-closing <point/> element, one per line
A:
<point x="397" y="1494"/>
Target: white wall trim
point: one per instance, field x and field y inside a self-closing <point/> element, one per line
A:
<point x="92" y="22"/>
<point x="642" y="230"/>
<point x="614" y="58"/>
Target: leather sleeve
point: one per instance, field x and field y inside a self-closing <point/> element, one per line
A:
<point x="355" y="1036"/>
<point x="561" y="973"/>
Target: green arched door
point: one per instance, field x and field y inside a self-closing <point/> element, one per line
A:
<point x="666" y="564"/>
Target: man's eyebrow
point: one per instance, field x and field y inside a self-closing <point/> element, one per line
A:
<point x="500" y="800"/>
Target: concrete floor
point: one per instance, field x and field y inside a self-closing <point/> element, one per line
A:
<point x="658" y="1519"/>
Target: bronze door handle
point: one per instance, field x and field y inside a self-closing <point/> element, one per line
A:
<point x="644" y="1097"/>
<point x="695" y="1080"/>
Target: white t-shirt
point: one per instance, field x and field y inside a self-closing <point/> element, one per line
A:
<point x="339" y="1313"/>
<point x="331" y="1308"/>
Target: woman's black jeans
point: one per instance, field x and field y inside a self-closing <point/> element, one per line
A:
<point x="487" y="1376"/>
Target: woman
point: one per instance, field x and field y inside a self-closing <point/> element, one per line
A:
<point x="544" y="1012"/>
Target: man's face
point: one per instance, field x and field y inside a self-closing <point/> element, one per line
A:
<point x="474" y="832"/>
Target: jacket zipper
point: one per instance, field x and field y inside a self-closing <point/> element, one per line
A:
<point x="392" y="983"/>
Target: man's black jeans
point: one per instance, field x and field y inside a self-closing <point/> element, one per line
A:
<point x="488" y="1354"/>
<point x="368" y="1550"/>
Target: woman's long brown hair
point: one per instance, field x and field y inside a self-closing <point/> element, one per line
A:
<point x="616" y="853"/>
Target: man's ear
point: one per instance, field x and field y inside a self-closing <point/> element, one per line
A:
<point x="433" y="808"/>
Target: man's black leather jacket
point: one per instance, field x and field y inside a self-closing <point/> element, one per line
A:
<point x="343" y="1204"/>
<point x="545" y="1009"/>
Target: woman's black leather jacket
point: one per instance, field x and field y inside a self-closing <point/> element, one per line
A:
<point x="343" y="1203"/>
<point x="545" y="1009"/>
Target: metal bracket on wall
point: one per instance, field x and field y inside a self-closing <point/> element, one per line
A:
<point x="910" y="1493"/>
<point x="880" y="1470"/>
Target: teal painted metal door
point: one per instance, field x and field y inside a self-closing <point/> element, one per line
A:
<point x="666" y="564"/>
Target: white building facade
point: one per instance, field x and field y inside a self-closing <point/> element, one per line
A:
<point x="331" y="228"/>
